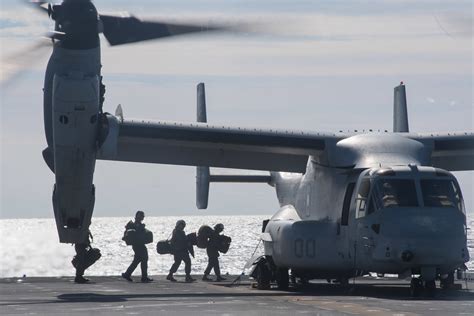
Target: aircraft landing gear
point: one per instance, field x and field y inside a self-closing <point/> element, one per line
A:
<point x="430" y="287"/>
<point x="447" y="282"/>
<point x="262" y="274"/>
<point x="343" y="282"/>
<point x="282" y="278"/>
<point x="416" y="287"/>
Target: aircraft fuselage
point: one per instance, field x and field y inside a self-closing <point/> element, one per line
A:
<point x="337" y="222"/>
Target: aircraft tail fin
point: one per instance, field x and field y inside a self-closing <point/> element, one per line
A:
<point x="203" y="174"/>
<point x="201" y="103"/>
<point x="400" y="112"/>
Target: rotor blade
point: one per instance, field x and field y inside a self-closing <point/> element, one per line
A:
<point x="122" y="30"/>
<point x="15" y="64"/>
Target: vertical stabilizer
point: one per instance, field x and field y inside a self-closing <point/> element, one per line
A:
<point x="201" y="103"/>
<point x="202" y="187"/>
<point x="400" y="113"/>
<point x="202" y="172"/>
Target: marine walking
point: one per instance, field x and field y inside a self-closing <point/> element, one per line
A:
<point x="213" y="246"/>
<point x="138" y="236"/>
<point x="180" y="246"/>
<point x="84" y="258"/>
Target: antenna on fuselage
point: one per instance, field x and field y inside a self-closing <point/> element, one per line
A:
<point x="400" y="112"/>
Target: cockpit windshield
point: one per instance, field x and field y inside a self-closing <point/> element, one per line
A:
<point x="395" y="193"/>
<point x="441" y="193"/>
<point x="390" y="190"/>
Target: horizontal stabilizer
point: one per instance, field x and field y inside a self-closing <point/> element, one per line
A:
<point x="240" y="178"/>
<point x="204" y="178"/>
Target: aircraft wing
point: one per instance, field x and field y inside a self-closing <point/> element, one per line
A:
<point x="450" y="151"/>
<point x="202" y="144"/>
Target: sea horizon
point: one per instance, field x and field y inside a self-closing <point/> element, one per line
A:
<point x="30" y="246"/>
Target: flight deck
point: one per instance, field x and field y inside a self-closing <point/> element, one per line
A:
<point x="112" y="296"/>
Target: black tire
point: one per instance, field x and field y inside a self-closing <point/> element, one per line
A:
<point x="343" y="282"/>
<point x="282" y="278"/>
<point x="448" y="282"/>
<point x="416" y="287"/>
<point x="263" y="276"/>
<point x="430" y="287"/>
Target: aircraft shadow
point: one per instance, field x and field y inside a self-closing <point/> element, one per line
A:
<point x="95" y="297"/>
<point x="380" y="290"/>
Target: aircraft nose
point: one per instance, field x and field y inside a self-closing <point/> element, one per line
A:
<point x="417" y="237"/>
<point x="423" y="224"/>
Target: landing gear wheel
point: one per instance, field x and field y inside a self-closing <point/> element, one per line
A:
<point x="263" y="276"/>
<point x="292" y="279"/>
<point x="343" y="282"/>
<point x="282" y="278"/>
<point x="430" y="287"/>
<point x="416" y="287"/>
<point x="447" y="282"/>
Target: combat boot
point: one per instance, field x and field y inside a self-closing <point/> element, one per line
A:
<point x="189" y="279"/>
<point x="219" y="278"/>
<point x="146" y="280"/>
<point x="206" y="278"/>
<point x="170" y="278"/>
<point x="80" y="280"/>
<point x="127" y="277"/>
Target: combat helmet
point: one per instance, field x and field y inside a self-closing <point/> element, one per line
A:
<point x="219" y="227"/>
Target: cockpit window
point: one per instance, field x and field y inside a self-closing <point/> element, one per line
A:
<point x="441" y="193"/>
<point x="395" y="193"/>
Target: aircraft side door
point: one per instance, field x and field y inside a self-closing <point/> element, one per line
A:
<point x="365" y="235"/>
<point x="343" y="230"/>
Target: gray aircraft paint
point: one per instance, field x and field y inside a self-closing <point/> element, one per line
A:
<point x="71" y="118"/>
<point x="307" y="233"/>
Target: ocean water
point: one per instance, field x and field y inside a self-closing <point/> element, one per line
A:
<point x="30" y="246"/>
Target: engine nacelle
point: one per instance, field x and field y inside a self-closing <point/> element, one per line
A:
<point x="75" y="130"/>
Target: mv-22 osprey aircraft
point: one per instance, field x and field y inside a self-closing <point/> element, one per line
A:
<point x="350" y="203"/>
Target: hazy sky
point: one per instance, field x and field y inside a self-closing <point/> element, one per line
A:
<point x="326" y="66"/>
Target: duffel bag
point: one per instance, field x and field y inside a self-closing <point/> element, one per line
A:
<point x="224" y="243"/>
<point x="147" y="237"/>
<point x="129" y="236"/>
<point x="163" y="247"/>
<point x="204" y="233"/>
<point x="90" y="257"/>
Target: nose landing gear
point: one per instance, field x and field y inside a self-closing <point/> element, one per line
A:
<point x="416" y="287"/>
<point x="447" y="281"/>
